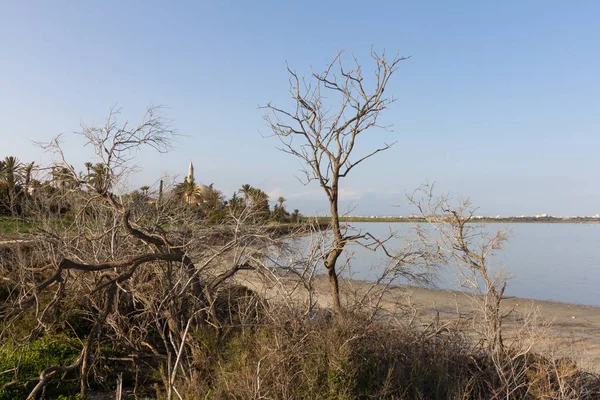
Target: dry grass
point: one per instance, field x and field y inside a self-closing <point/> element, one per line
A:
<point x="288" y="355"/>
<point x="251" y="348"/>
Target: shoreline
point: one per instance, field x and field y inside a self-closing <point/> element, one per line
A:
<point x="561" y="329"/>
<point x="505" y="298"/>
<point x="507" y="220"/>
<point x="571" y="330"/>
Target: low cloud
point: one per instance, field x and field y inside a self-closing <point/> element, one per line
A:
<point x="354" y="194"/>
<point x="275" y="193"/>
<point x="351" y="194"/>
<point x="352" y="200"/>
<point x="314" y="194"/>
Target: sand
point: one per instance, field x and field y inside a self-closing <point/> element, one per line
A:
<point x="555" y="329"/>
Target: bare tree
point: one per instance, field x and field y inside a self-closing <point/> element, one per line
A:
<point x="143" y="274"/>
<point x="469" y="246"/>
<point x="332" y="109"/>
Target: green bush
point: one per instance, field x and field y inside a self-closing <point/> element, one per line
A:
<point x="28" y="361"/>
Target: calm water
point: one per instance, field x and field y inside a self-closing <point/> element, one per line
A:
<point x="558" y="262"/>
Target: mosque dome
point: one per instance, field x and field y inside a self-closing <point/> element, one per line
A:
<point x="202" y="191"/>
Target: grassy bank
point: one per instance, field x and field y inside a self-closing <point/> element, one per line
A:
<point x="169" y="325"/>
<point x="11" y="226"/>
<point x="262" y="343"/>
<point x="280" y="352"/>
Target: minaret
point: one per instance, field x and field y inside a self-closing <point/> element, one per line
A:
<point x="190" y="176"/>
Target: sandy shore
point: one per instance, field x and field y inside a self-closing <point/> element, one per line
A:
<point x="567" y="330"/>
<point x="556" y="329"/>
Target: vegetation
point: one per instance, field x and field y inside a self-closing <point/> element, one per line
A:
<point x="186" y="294"/>
<point x="20" y="196"/>
<point x="125" y="276"/>
<point x="23" y="364"/>
<point x="330" y="113"/>
<point x="12" y="226"/>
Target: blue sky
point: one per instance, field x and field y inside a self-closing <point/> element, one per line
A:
<point x="500" y="101"/>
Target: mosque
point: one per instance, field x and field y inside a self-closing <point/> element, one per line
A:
<point x="201" y="193"/>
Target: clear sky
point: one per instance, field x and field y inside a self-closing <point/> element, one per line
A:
<point x="500" y="101"/>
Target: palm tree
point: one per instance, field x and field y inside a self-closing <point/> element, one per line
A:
<point x="259" y="197"/>
<point x="160" y="191"/>
<point x="280" y="214"/>
<point x="2" y="171"/>
<point x="89" y="166"/>
<point x="246" y="190"/>
<point x="27" y="171"/>
<point x="260" y="203"/>
<point x="281" y="200"/>
<point x="213" y="198"/>
<point x="61" y="176"/>
<point x="236" y="203"/>
<point x="11" y="174"/>
<point x="145" y="189"/>
<point x="187" y="190"/>
<point x="99" y="177"/>
<point x="296" y="215"/>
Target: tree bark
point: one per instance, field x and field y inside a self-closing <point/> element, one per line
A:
<point x="335" y="251"/>
<point x="335" y="291"/>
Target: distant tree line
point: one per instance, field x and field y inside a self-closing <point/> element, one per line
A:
<point x="15" y="184"/>
<point x="214" y="205"/>
<point x="18" y="188"/>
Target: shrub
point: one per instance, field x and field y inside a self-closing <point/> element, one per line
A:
<point x="28" y="361"/>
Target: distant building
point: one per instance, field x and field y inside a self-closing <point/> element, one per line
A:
<point x="201" y="193"/>
<point x="190" y="174"/>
